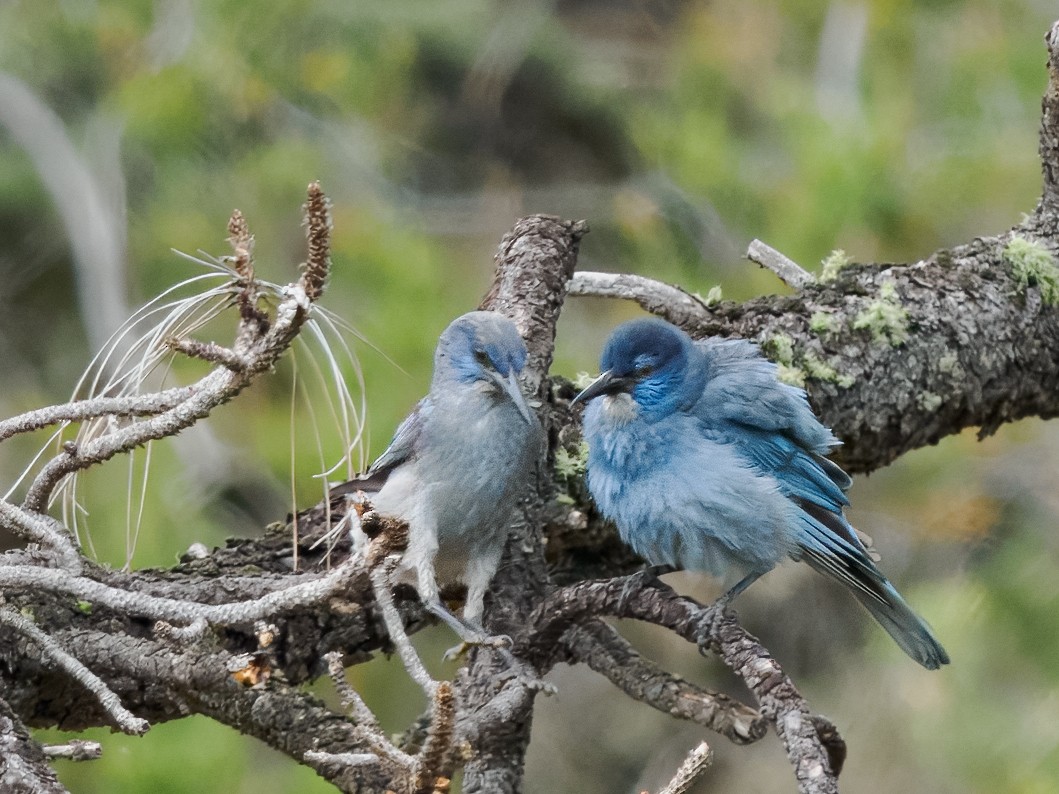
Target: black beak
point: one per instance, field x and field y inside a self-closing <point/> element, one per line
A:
<point x="607" y="383"/>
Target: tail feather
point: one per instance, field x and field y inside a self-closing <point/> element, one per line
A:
<point x="831" y="546"/>
<point x="906" y="627"/>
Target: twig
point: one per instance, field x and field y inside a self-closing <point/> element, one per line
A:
<point x="380" y="580"/>
<point x="43" y="529"/>
<point x="659" y="298"/>
<point x="125" y="720"/>
<point x="182" y="635"/>
<point x="697" y="762"/>
<point x="604" y="650"/>
<point x="74" y="750"/>
<point x="789" y="272"/>
<point x="93" y="407"/>
<point x="351" y="699"/>
<point x="177" y="610"/>
<point x="709" y="627"/>
<point x="345" y="759"/>
<point x="209" y="351"/>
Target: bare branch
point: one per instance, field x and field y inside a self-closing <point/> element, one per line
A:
<point x="181" y="611"/>
<point x="79" y="410"/>
<point x="787" y="270"/>
<point x="697" y="762"/>
<point x="209" y="351"/>
<point x="346" y="759"/>
<point x="74" y="750"/>
<point x="43" y="529"/>
<point x="711" y="628"/>
<point x="123" y="718"/>
<point x="665" y="300"/>
<point x="608" y="653"/>
<point x="351" y="699"/>
<point x="380" y="580"/>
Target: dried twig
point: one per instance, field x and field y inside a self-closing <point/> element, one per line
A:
<point x="79" y="410"/>
<point x="380" y="580"/>
<point x="789" y="272"/>
<point x="709" y="627"/>
<point x="74" y="750"/>
<point x="174" y="610"/>
<point x="608" y="653"/>
<point x="697" y="762"/>
<point x="659" y="298"/>
<point x="43" y="529"/>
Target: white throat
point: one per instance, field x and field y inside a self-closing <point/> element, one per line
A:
<point x="620" y="408"/>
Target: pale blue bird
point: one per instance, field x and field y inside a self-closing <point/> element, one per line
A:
<point x="455" y="467"/>
<point x="705" y="461"/>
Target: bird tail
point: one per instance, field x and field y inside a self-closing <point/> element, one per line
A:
<point x="906" y="627"/>
<point x="831" y="546"/>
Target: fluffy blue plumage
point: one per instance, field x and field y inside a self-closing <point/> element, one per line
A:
<point x="705" y="461"/>
<point x="456" y="464"/>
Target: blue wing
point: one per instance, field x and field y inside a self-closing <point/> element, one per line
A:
<point x="771" y="422"/>
<point x="402" y="448"/>
<point x="405" y="440"/>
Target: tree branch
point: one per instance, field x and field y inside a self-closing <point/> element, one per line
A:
<point x="599" y="646"/>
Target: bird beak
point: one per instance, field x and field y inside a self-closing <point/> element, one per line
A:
<point x="606" y="383"/>
<point x="513" y="390"/>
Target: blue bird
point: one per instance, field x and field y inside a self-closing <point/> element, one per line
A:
<point x="705" y="461"/>
<point x="455" y="467"/>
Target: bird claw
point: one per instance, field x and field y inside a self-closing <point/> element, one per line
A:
<point x="498" y="642"/>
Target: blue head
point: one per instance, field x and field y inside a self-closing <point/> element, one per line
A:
<point x="648" y="360"/>
<point x="483" y="348"/>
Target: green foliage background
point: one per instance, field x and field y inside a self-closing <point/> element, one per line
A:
<point x="679" y="130"/>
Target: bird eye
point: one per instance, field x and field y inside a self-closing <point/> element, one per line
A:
<point x="483" y="358"/>
<point x="643" y="370"/>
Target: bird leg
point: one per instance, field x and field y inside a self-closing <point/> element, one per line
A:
<point x="641" y="580"/>
<point x="471" y="636"/>
<point x="735" y="590"/>
<point x="478" y="575"/>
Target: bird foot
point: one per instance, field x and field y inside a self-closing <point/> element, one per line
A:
<point x="497" y="642"/>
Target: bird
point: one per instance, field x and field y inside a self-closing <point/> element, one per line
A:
<point x="455" y="468"/>
<point x="706" y="461"/>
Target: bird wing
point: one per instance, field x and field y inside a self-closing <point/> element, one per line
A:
<point x="771" y="424"/>
<point x="743" y="403"/>
<point x="405" y="440"/>
<point x="402" y="448"/>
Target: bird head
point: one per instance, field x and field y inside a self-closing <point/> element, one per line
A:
<point x="646" y="359"/>
<point x="483" y="347"/>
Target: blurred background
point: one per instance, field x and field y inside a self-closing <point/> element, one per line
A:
<point x="679" y="130"/>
